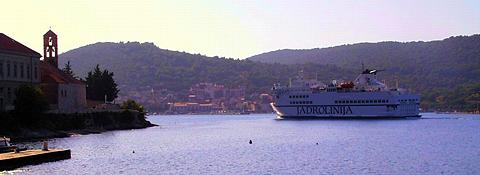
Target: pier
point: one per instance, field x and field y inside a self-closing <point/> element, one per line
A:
<point x="12" y="160"/>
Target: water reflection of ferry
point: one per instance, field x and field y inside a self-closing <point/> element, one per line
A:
<point x="365" y="97"/>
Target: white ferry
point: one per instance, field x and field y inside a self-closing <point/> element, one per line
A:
<point x="365" y="97"/>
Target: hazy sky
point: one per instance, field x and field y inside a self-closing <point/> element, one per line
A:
<point x="236" y="28"/>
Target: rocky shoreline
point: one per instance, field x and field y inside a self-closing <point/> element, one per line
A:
<point x="46" y="126"/>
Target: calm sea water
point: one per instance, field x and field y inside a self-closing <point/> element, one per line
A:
<point x="201" y="144"/>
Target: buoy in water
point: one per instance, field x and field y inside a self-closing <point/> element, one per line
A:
<point x="133" y="151"/>
<point x="250" y="142"/>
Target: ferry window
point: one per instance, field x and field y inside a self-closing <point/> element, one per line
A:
<point x="387" y="101"/>
<point x="363" y="101"/>
<point x="351" y="101"/>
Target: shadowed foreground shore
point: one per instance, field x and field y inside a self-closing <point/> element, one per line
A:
<point x="43" y="126"/>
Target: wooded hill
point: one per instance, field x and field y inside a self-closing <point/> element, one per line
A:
<point x="424" y="67"/>
<point x="139" y="67"/>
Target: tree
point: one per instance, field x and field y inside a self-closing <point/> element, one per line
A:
<point x="100" y="84"/>
<point x="68" y="69"/>
<point x="30" y="100"/>
<point x="132" y="105"/>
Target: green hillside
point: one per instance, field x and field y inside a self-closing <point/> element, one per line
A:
<point x="433" y="69"/>
<point x="139" y="67"/>
<point x="418" y="65"/>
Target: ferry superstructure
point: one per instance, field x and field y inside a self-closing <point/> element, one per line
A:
<point x="365" y="97"/>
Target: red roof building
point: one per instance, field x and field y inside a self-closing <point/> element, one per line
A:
<point x="9" y="45"/>
<point x="18" y="66"/>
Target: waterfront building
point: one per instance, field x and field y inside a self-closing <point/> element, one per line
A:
<point x="19" y="65"/>
<point x="193" y="108"/>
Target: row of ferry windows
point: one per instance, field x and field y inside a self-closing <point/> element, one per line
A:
<point x="298" y="96"/>
<point x="300" y="102"/>
<point x="360" y="101"/>
<point x="408" y="100"/>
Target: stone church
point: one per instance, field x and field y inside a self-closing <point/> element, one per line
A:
<point x="64" y="93"/>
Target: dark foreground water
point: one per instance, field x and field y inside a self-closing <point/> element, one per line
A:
<point x="434" y="144"/>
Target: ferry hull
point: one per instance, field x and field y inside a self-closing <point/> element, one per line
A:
<point x="337" y="112"/>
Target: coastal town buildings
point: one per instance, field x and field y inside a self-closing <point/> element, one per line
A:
<point x="19" y="65"/>
<point x="212" y="98"/>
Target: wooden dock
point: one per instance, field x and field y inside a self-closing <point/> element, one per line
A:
<point x="12" y="160"/>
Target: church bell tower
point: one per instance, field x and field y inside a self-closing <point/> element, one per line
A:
<point x="50" y="48"/>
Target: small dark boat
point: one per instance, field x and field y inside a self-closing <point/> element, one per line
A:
<point x="5" y="145"/>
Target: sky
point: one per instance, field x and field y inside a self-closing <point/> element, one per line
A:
<point x="236" y="28"/>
